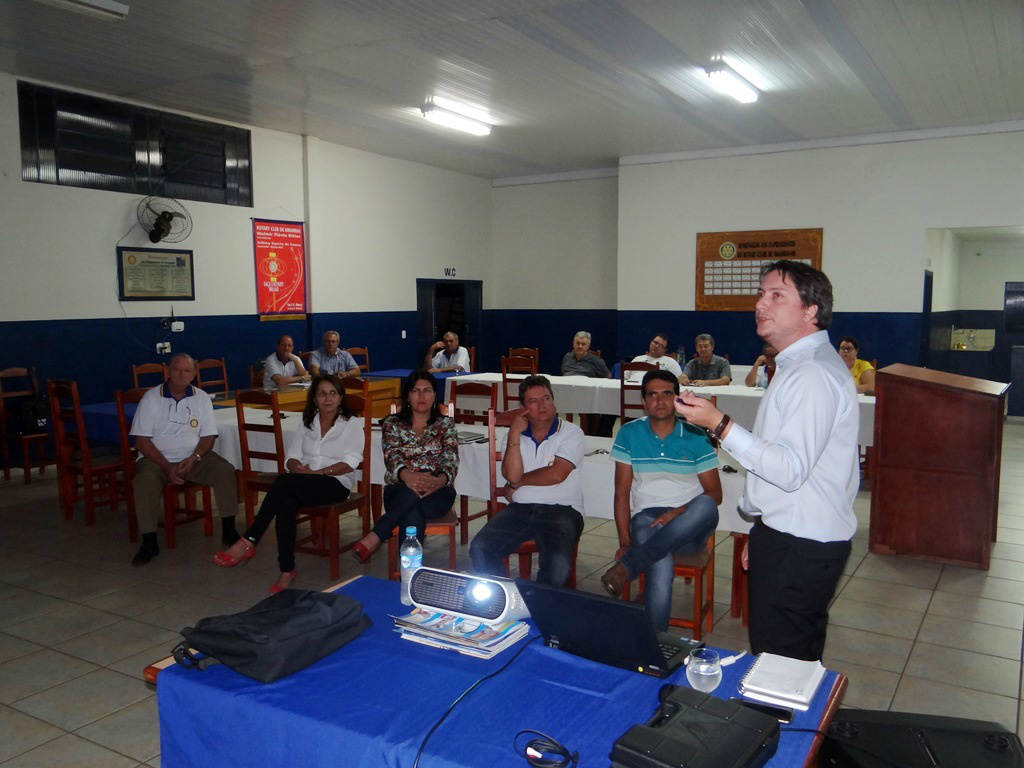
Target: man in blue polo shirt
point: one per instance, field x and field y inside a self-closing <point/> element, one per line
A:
<point x="174" y="432"/>
<point x="541" y="465"/>
<point x="667" y="492"/>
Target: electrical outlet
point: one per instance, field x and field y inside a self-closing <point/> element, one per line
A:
<point x="163" y="347"/>
<point x="403" y="334"/>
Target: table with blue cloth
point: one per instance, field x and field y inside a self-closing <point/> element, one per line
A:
<point x="401" y="373"/>
<point x="371" y="703"/>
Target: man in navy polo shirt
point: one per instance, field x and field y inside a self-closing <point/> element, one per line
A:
<point x="174" y="432"/>
<point x="667" y="492"/>
<point x="542" y="457"/>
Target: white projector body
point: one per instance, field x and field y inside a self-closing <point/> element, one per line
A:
<point x="487" y="599"/>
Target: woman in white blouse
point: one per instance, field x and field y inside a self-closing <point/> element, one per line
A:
<point x="320" y="460"/>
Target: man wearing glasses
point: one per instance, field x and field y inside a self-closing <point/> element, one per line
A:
<point x="667" y="492"/>
<point x="656" y="356"/>
<point x="174" y="432"/>
<point x="541" y="465"/>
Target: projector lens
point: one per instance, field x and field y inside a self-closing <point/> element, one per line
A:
<point x="481" y="591"/>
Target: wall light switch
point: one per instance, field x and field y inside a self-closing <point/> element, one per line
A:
<point x="163" y="347"/>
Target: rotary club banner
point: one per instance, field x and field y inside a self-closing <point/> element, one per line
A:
<point x="279" y="248"/>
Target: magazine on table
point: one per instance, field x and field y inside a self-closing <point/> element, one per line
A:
<point x="474" y="638"/>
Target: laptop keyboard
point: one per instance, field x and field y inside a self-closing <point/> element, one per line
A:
<point x="668" y="650"/>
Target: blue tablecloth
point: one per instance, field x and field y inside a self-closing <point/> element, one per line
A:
<point x="100" y="420"/>
<point x="371" y="703"/>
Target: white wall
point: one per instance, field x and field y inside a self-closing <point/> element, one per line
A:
<point x="377" y="224"/>
<point x="875" y="204"/>
<point x="555" y="245"/>
<point x="59" y="243"/>
<point x="985" y="268"/>
<point x="944" y="257"/>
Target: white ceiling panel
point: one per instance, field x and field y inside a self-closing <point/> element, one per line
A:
<point x="570" y="84"/>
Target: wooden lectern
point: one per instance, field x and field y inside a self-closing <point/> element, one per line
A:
<point x="935" y="473"/>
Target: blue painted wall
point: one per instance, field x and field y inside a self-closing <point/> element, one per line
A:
<point x="99" y="353"/>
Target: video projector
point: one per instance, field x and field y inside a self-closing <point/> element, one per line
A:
<point x="487" y="599"/>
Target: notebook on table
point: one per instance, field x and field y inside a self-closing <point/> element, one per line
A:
<point x="613" y="632"/>
<point x="782" y="681"/>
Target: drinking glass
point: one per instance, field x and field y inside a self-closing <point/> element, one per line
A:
<point x="704" y="672"/>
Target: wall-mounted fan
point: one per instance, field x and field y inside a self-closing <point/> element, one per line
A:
<point x="164" y="219"/>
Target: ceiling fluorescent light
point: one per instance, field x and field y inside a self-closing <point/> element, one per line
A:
<point x="725" y="80"/>
<point x="108" y="10"/>
<point x="449" y="119"/>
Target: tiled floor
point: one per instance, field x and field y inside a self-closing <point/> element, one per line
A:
<point x="78" y="623"/>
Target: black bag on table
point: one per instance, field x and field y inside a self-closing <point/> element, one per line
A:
<point x="280" y="635"/>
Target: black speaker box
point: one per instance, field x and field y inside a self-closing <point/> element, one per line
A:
<point x="866" y="739"/>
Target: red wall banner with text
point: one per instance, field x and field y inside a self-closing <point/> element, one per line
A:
<point x="280" y="252"/>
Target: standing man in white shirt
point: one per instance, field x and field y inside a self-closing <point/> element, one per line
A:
<point x="656" y="356"/>
<point x="283" y="367"/>
<point x="449" y="357"/>
<point x="801" y="461"/>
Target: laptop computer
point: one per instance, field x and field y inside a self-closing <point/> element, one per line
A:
<point x="613" y="632"/>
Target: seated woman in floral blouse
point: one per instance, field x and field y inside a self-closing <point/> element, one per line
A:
<point x="421" y="455"/>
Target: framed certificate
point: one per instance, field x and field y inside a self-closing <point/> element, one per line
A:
<point x="155" y="274"/>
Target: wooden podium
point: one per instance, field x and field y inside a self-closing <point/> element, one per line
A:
<point x="935" y="473"/>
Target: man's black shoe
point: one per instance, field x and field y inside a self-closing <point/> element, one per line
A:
<point x="147" y="551"/>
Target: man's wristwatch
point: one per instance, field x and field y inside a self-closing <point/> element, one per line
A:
<point x="198" y="457"/>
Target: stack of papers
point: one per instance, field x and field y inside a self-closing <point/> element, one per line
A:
<point x="472" y="638"/>
<point x="782" y="681"/>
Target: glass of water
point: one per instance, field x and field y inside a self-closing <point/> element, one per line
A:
<point x="704" y="672"/>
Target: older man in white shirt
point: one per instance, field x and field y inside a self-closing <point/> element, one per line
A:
<point x="801" y="461"/>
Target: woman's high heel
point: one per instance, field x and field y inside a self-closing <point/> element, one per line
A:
<point x="361" y="552"/>
<point x="226" y="560"/>
<point x="275" y="587"/>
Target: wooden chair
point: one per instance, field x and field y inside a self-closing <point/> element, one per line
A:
<point x="514" y="370"/>
<point x="146" y="369"/>
<point x="22" y="388"/>
<point x="472" y="358"/>
<point x="324" y="520"/>
<point x="739" y="603"/>
<point x="526" y="550"/>
<point x="700" y="569"/>
<point x="531" y="352"/>
<point x="630" y="396"/>
<point x="363" y="352"/>
<point x="256" y="375"/>
<point x="100" y="485"/>
<point x="172" y="509"/>
<point x="209" y="382"/>
<point x="466" y="416"/>
<point x="439" y="526"/>
<point x="253" y="482"/>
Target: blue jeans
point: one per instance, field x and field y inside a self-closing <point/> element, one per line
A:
<point x="653" y="548"/>
<point x="555" y="528"/>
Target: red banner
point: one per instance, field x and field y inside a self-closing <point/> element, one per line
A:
<point x="280" y="252"/>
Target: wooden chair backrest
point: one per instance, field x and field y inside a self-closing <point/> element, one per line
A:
<point x="595" y="352"/>
<point x="472" y="358"/>
<point x="23" y="390"/>
<point x="256" y="375"/>
<point x="532" y="352"/>
<point x="466" y="389"/>
<point x="207" y="383"/>
<point x="363" y="352"/>
<point x="128" y="451"/>
<point x="148" y="368"/>
<point x="362" y="407"/>
<point x="496" y="419"/>
<point x="628" y="404"/>
<point x="354" y="384"/>
<point x="514" y="370"/>
<point x="266" y="400"/>
<point x="68" y="426"/>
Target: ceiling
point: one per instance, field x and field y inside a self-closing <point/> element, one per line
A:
<point x="571" y="85"/>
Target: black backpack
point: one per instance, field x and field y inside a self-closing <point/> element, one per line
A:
<point x="280" y="635"/>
